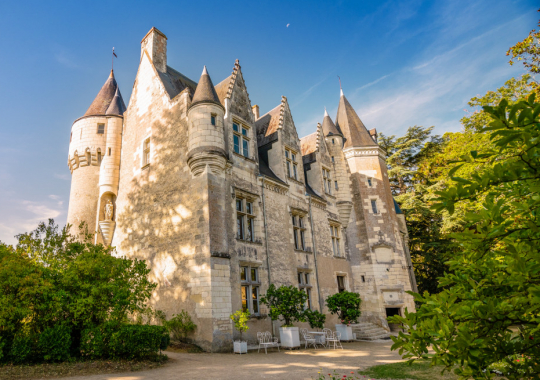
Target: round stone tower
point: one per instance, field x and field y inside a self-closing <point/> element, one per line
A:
<point x="206" y="145"/>
<point x="94" y="161"/>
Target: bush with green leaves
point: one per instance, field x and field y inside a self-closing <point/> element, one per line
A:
<point x="22" y="348"/>
<point x="136" y="341"/>
<point x="286" y="303"/>
<point x="180" y="325"/>
<point x="315" y="318"/>
<point x="346" y="305"/>
<point x="240" y="318"/>
<point x="54" y="343"/>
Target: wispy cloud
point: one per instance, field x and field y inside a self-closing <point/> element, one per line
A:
<point x="64" y="177"/>
<point x="65" y="58"/>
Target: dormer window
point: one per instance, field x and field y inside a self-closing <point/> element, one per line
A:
<point x="100" y="129"/>
<point x="213" y="119"/>
<point x="292" y="165"/>
<point x="327" y="181"/>
<point x="241" y="139"/>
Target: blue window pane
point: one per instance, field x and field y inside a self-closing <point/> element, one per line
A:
<point x="236" y="144"/>
<point x="235" y="127"/>
<point x="245" y="148"/>
<point x="244" y="131"/>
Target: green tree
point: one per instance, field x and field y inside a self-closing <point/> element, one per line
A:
<point x="240" y="319"/>
<point x="285" y="302"/>
<point x="489" y="309"/>
<point x="346" y="305"/>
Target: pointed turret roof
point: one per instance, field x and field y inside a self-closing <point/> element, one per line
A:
<point x="352" y="127"/>
<point x="117" y="106"/>
<point x="108" y="93"/>
<point x="328" y="126"/>
<point x="205" y="92"/>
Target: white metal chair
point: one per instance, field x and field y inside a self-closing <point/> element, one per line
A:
<point x="335" y="340"/>
<point x="265" y="340"/>
<point x="327" y="335"/>
<point x="309" y="339"/>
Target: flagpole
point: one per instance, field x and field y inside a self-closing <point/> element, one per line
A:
<point x="112" y="59"/>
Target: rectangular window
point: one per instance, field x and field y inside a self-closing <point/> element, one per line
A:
<point x="99" y="158"/>
<point x="305" y="285"/>
<point x="146" y="152"/>
<point x="101" y="129"/>
<point x="327" y="181"/>
<point x="341" y="283"/>
<point x="374" y="206"/>
<point x="299" y="232"/>
<point x="336" y="240"/>
<point x="249" y="278"/>
<point x="245" y="220"/>
<point x="241" y="139"/>
<point x="335" y="183"/>
<point x="213" y="119"/>
<point x="292" y="164"/>
<point x="363" y="278"/>
<point x="369" y="182"/>
<point x="110" y="150"/>
<point x="333" y="159"/>
<point x="333" y="142"/>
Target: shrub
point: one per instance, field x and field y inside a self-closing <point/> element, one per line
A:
<point x="136" y="341"/>
<point x="95" y="341"/>
<point x="22" y="348"/>
<point x="346" y="305"/>
<point x="239" y="319"/>
<point x="180" y="325"/>
<point x="286" y="302"/>
<point x="316" y="320"/>
<point x="54" y="343"/>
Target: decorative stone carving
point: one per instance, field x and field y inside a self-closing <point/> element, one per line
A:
<point x="109" y="210"/>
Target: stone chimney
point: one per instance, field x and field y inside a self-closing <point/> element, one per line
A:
<point x="255" y="110"/>
<point x="155" y="43"/>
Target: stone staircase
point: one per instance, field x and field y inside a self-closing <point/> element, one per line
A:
<point x="369" y="331"/>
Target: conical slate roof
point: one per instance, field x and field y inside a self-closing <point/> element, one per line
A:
<point x="104" y="98"/>
<point x="117" y="106"/>
<point x="352" y="127"/>
<point x="205" y="92"/>
<point x="328" y="126"/>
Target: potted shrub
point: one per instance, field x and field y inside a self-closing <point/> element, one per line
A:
<point x="315" y="319"/>
<point x="286" y="303"/>
<point x="347" y="307"/>
<point x="239" y="319"/>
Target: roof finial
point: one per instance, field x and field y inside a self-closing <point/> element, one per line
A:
<point x="204" y="72"/>
<point x="325" y="113"/>
<point x="340" y="89"/>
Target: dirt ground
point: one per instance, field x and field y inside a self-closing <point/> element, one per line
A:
<point x="298" y="364"/>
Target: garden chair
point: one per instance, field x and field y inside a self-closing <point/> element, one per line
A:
<point x="335" y="340"/>
<point x="310" y="340"/>
<point x="327" y="335"/>
<point x="265" y="340"/>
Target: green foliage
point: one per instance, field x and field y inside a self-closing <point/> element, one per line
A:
<point x="346" y="305"/>
<point x="136" y="341"/>
<point x="315" y="318"/>
<point x="494" y="279"/>
<point x="54" y="343"/>
<point x="22" y="348"/>
<point x="285" y="302"/>
<point x="95" y="340"/>
<point x="527" y="51"/>
<point x="240" y="319"/>
<point x="180" y="325"/>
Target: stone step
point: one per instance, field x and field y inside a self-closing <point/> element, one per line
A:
<point x="369" y="331"/>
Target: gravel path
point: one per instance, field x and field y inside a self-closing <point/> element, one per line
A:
<point x="298" y="364"/>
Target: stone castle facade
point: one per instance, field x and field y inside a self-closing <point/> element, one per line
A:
<point x="221" y="201"/>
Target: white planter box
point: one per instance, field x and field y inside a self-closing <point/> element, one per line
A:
<point x="289" y="337"/>
<point x="345" y="331"/>
<point x="240" y="347"/>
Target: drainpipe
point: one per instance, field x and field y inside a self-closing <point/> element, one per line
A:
<point x="266" y="243"/>
<point x="315" y="255"/>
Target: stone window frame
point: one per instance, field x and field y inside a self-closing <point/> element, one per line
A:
<point x="336" y="185"/>
<point x="374" y="206"/>
<point x="242" y="138"/>
<point x="291" y="161"/>
<point x="345" y="278"/>
<point x="146" y="152"/>
<point x="213" y="117"/>
<point x="369" y="181"/>
<point x="99" y="156"/>
<point x="336" y="238"/>
<point x="327" y="180"/>
<point x="100" y="131"/>
<point x="248" y="285"/>
<point x="300" y="231"/>
<point x="304" y="284"/>
<point x="248" y="197"/>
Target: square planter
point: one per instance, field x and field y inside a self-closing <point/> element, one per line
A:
<point x="289" y="337"/>
<point x="345" y="331"/>
<point x="240" y="347"/>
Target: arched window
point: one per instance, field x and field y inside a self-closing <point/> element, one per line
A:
<point x="99" y="157"/>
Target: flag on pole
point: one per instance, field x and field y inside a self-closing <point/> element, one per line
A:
<point x="114" y="53"/>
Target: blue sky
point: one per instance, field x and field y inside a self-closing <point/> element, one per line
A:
<point x="402" y="63"/>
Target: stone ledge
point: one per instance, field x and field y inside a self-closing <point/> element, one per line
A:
<point x="223" y="255"/>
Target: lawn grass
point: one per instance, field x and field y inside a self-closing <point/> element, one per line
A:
<point x="419" y="370"/>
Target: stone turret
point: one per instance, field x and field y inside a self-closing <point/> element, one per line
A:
<point x="94" y="161"/>
<point x="206" y="132"/>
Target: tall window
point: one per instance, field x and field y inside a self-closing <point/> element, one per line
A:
<point x="146" y="152"/>
<point x="336" y="240"/>
<point x="249" y="279"/>
<point x="213" y="119"/>
<point x="99" y="157"/>
<point x="245" y="220"/>
<point x="374" y="206"/>
<point x="327" y="181"/>
<point x="369" y="182"/>
<point x="333" y="159"/>
<point x="101" y="129"/>
<point x="304" y="284"/>
<point x="241" y="139"/>
<point x="299" y="231"/>
<point x="336" y="185"/>
<point x="341" y="284"/>
<point x="292" y="164"/>
<point x="88" y="158"/>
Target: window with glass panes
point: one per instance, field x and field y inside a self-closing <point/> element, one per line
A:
<point x="327" y="181"/>
<point x="299" y="232"/>
<point x="245" y="220"/>
<point x="241" y="139"/>
<point x="334" y="233"/>
<point x="249" y="280"/>
<point x="304" y="284"/>
<point x="101" y="128"/>
<point x="341" y="283"/>
<point x="374" y="206"/>
<point x="292" y="164"/>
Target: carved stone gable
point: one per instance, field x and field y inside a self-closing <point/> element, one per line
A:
<point x="240" y="103"/>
